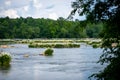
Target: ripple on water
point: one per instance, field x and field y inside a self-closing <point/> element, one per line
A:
<point x="65" y="64"/>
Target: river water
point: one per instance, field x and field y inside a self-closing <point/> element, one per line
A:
<point x="65" y="64"/>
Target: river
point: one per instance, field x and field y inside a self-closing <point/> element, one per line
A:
<point x="65" y="64"/>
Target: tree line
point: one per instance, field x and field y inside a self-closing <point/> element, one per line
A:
<point x="29" y="28"/>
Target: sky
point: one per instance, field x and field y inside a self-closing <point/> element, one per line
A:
<point x="52" y="9"/>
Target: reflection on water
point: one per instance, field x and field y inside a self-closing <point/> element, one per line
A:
<point x="7" y="67"/>
<point x="4" y="70"/>
<point x="65" y="64"/>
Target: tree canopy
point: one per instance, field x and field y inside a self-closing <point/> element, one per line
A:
<point x="108" y="12"/>
<point x="26" y="28"/>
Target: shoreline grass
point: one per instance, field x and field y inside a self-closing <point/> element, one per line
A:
<point x="54" y="43"/>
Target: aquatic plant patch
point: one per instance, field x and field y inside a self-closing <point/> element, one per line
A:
<point x="54" y="45"/>
<point x="5" y="58"/>
<point x="48" y="52"/>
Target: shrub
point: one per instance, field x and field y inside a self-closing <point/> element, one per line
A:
<point x="5" y="58"/>
<point x="95" y="46"/>
<point x="48" y="52"/>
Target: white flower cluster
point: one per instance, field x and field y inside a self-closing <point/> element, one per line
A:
<point x="4" y="53"/>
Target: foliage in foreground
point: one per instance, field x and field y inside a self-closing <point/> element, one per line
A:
<point x="108" y="12"/>
<point x="5" y="58"/>
<point x="111" y="55"/>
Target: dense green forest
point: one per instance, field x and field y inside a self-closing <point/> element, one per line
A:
<point x="47" y="28"/>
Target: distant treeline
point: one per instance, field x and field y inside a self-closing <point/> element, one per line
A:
<point x="47" y="28"/>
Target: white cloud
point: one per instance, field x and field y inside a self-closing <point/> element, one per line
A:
<point x="8" y="3"/>
<point x="53" y="16"/>
<point x="37" y="4"/>
<point x="36" y="8"/>
<point x="26" y="8"/>
<point x="11" y="13"/>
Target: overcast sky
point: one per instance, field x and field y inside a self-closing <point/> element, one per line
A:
<point x="52" y="9"/>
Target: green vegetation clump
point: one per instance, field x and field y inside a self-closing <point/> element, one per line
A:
<point x="6" y="41"/>
<point x="27" y="41"/>
<point x="53" y="41"/>
<point x="5" y="59"/>
<point x="81" y="41"/>
<point x="94" y="44"/>
<point x="66" y="45"/>
<point x="40" y="45"/>
<point x="48" y="52"/>
<point x="55" y="45"/>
